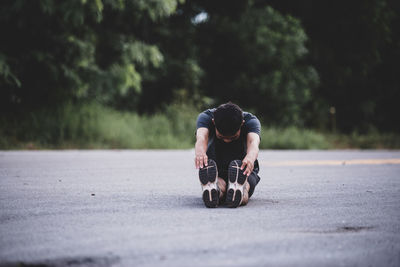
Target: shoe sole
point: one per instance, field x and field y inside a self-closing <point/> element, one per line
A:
<point x="208" y="179"/>
<point x="237" y="180"/>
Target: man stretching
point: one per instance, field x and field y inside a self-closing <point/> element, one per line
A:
<point x="226" y="149"/>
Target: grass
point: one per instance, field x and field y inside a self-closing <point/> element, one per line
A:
<point x="372" y="140"/>
<point x="93" y="126"/>
<point x="293" y="138"/>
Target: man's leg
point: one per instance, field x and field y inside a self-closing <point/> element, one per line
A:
<point x="250" y="185"/>
<point x="238" y="186"/>
<point x="246" y="195"/>
<point x="213" y="187"/>
<point x="222" y="188"/>
<point x="253" y="180"/>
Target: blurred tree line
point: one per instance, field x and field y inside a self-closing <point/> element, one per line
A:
<point x="290" y="62"/>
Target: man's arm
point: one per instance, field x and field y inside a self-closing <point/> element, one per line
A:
<point x="253" y="141"/>
<point x="200" y="147"/>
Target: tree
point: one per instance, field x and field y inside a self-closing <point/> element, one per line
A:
<point x="55" y="52"/>
<point x="354" y="45"/>
<point x="253" y="55"/>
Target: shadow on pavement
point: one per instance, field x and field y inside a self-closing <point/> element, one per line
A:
<point x="196" y="202"/>
<point x="61" y="262"/>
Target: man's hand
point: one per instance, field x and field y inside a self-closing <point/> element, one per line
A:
<point x="201" y="160"/>
<point x="253" y="140"/>
<point x="200" y="148"/>
<point x="248" y="164"/>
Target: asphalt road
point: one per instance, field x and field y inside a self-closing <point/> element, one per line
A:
<point x="144" y="208"/>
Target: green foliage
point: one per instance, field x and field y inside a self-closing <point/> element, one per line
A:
<point x="354" y="45"/>
<point x="75" y="50"/>
<point x="293" y="138"/>
<point x="370" y="140"/>
<point x="5" y="72"/>
<point x="95" y="126"/>
<point x="287" y="62"/>
<point x="253" y="56"/>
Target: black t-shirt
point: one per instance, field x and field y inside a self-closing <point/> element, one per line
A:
<point x="223" y="153"/>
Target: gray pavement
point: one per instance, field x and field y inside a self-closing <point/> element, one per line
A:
<point x="144" y="208"/>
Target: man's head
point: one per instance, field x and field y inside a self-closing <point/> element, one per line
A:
<point x="228" y="118"/>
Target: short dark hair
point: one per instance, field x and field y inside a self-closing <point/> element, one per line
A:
<point x="228" y="118"/>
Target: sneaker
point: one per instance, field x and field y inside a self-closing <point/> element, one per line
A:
<point x="236" y="187"/>
<point x="209" y="183"/>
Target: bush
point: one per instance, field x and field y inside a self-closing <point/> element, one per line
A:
<point x="96" y="126"/>
<point x="292" y="138"/>
<point x="371" y="140"/>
